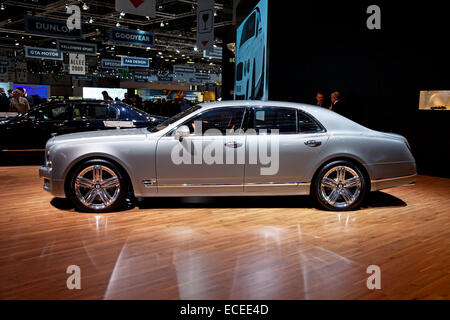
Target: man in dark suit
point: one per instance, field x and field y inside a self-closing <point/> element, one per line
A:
<point x="320" y="99"/>
<point x="336" y="104"/>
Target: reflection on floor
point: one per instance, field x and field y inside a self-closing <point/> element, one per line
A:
<point x="224" y="248"/>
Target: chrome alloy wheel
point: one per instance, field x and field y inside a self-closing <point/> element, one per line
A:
<point x="340" y="186"/>
<point x="97" y="187"/>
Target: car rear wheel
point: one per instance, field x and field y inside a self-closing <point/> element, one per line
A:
<point x="339" y="186"/>
<point x="97" y="186"/>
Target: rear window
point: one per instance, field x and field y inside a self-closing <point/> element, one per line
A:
<point x="307" y="124"/>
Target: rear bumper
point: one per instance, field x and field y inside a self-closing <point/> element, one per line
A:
<point x="55" y="187"/>
<point x="392" y="182"/>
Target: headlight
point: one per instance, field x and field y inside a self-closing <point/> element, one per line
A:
<point x="48" y="163"/>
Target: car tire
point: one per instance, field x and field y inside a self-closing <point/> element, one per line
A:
<point x="97" y="186"/>
<point x="339" y="186"/>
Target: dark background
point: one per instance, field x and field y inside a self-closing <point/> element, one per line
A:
<point x="317" y="45"/>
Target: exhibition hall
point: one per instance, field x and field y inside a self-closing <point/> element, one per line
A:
<point x="224" y="150"/>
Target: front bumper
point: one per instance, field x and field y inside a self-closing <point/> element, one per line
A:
<point x="55" y="187"/>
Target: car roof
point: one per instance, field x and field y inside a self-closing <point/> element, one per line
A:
<point x="331" y="120"/>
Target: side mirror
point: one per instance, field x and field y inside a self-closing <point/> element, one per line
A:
<point x="182" y="132"/>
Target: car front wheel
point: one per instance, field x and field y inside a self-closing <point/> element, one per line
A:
<point x="339" y="186"/>
<point x="97" y="186"/>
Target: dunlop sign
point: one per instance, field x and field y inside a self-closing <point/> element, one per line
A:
<point x="135" y="37"/>
<point x="50" y="27"/>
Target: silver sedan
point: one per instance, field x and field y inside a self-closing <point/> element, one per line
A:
<point x="230" y="148"/>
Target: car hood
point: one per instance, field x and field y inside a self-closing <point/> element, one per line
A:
<point x="103" y="135"/>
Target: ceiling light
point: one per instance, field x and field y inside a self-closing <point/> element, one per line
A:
<point x="91" y="20"/>
<point x="117" y="24"/>
<point x="2" y="7"/>
<point x="160" y="53"/>
<point x="161" y="24"/>
<point x="195" y="49"/>
<point x="85" y="6"/>
<point x="122" y="14"/>
<point x="148" y="18"/>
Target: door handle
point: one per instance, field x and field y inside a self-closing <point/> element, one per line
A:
<point x="233" y="144"/>
<point x="313" y="143"/>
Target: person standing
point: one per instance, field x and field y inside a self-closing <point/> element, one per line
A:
<point x="18" y="103"/>
<point x="106" y="96"/>
<point x="4" y="102"/>
<point x="320" y="99"/>
<point x="336" y="104"/>
<point x="127" y="99"/>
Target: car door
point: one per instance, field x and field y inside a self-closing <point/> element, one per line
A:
<point x="92" y="116"/>
<point x="208" y="161"/>
<point x="22" y="133"/>
<point x="285" y="142"/>
<point x="40" y="124"/>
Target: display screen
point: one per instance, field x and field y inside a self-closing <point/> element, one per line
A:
<point x="40" y="90"/>
<point x="96" y="93"/>
<point x="251" y="55"/>
<point x="434" y="100"/>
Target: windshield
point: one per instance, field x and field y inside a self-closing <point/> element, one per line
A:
<point x="248" y="29"/>
<point x="175" y="118"/>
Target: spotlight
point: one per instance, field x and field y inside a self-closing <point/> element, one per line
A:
<point x="117" y="24"/>
<point x="161" y="24"/>
<point x="195" y="49"/>
<point x="85" y="6"/>
<point x="91" y="20"/>
<point x="122" y="14"/>
<point x="2" y="6"/>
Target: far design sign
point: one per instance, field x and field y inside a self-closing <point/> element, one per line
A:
<point x="77" y="64"/>
<point x="135" y="62"/>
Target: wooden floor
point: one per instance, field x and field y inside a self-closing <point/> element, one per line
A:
<point x="224" y="248"/>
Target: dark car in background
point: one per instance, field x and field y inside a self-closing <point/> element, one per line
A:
<point x="32" y="129"/>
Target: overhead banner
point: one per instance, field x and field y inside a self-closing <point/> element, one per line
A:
<point x="89" y="49"/>
<point x="50" y="27"/>
<point x="205" y="25"/>
<point x="4" y="74"/>
<point x="77" y="64"/>
<point x="141" y="77"/>
<point x="134" y="37"/>
<point x="112" y="64"/>
<point x="137" y="7"/>
<point x="84" y="78"/>
<point x="215" y="54"/>
<point x="165" y="78"/>
<point x="202" y="76"/>
<point x="135" y="62"/>
<point x="4" y="62"/>
<point x="43" y="53"/>
<point x="183" y="69"/>
<point x="21" y="72"/>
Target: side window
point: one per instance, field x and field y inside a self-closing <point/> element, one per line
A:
<point x="270" y="118"/>
<point x="307" y="124"/>
<point x="52" y="113"/>
<point x="113" y="114"/>
<point x="90" y="112"/>
<point x="222" y="119"/>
